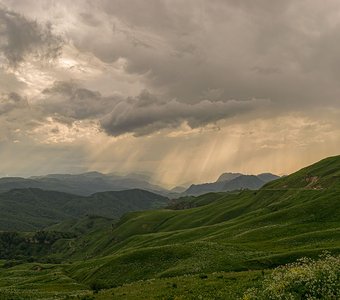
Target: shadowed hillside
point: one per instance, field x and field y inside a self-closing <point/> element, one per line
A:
<point x="32" y="209"/>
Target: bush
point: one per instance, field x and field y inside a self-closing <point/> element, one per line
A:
<point x="96" y="286"/>
<point x="305" y="279"/>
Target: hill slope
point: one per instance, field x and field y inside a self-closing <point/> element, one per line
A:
<point x="235" y="232"/>
<point x="32" y="209"/>
<point x="225" y="232"/>
<point x="324" y="174"/>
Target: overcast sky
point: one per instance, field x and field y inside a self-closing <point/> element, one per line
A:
<point x="185" y="89"/>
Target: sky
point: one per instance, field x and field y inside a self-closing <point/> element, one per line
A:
<point x="182" y="89"/>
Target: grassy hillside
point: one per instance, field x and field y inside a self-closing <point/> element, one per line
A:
<point x="234" y="233"/>
<point x="34" y="209"/>
<point x="324" y="174"/>
<point x="185" y="251"/>
<point x="251" y="229"/>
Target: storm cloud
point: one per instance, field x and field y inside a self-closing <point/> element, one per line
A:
<point x="21" y="38"/>
<point x="146" y="114"/>
<point x="284" y="51"/>
<point x="141" y="115"/>
<point x="68" y="101"/>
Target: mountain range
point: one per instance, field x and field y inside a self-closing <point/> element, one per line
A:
<point x="89" y="183"/>
<point x="230" y="182"/>
<point x="81" y="184"/>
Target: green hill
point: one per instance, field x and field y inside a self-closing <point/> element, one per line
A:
<point x="237" y="232"/>
<point x="324" y="174"/>
<point x="33" y="209"/>
<point x="234" y="232"/>
<point x="202" y="246"/>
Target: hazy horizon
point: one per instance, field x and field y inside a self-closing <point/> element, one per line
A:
<point x="186" y="90"/>
<point x="152" y="179"/>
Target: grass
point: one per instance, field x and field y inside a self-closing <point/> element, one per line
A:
<point x="321" y="175"/>
<point x="38" y="281"/>
<point x="238" y="232"/>
<point x="219" y="285"/>
<point x="166" y="254"/>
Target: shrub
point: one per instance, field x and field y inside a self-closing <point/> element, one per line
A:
<point x="96" y="286"/>
<point x="305" y="279"/>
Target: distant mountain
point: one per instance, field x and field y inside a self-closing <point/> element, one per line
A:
<point x="231" y="182"/>
<point x="250" y="182"/>
<point x="32" y="209"/>
<point x="86" y="184"/>
<point x="267" y="177"/>
<point x="199" y="189"/>
<point x="178" y="189"/>
<point x="228" y="176"/>
<point x="81" y="184"/>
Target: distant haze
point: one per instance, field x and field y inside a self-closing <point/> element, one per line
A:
<point x="184" y="90"/>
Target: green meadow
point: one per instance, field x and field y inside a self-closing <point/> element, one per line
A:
<point x="223" y="246"/>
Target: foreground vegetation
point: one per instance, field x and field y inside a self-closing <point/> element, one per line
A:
<point x="304" y="279"/>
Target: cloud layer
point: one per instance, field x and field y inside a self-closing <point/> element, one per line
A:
<point x="146" y="114"/>
<point x="169" y="76"/>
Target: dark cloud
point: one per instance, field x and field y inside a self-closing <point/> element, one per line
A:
<point x="21" y="38"/>
<point x="192" y="54"/>
<point x="285" y="51"/>
<point x="145" y="114"/>
<point x="68" y="102"/>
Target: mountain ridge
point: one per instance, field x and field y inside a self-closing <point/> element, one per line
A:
<point x="83" y="184"/>
<point x="230" y="182"/>
<point x="323" y="174"/>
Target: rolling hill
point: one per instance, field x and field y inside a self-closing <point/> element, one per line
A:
<point x="33" y="209"/>
<point x="322" y="175"/>
<point x="235" y="232"/>
<point x="219" y="245"/>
